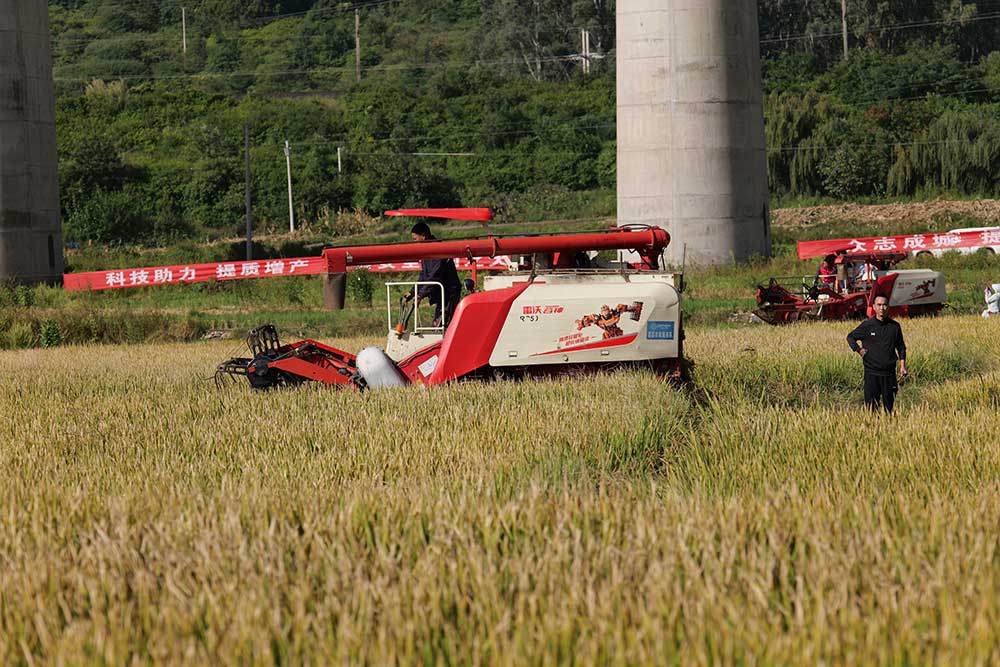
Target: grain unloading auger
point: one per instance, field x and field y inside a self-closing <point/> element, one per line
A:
<point x="561" y="316"/>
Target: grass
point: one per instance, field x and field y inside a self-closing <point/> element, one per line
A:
<point x="756" y="516"/>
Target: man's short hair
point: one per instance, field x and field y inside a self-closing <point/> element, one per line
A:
<point x="881" y="296"/>
<point x="422" y="229"/>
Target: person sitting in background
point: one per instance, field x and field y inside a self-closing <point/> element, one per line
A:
<point x="864" y="271"/>
<point x="827" y="272"/>
<point x="992" y="295"/>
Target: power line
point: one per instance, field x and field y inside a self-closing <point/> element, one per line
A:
<point x="892" y="27"/>
<point x="318" y="70"/>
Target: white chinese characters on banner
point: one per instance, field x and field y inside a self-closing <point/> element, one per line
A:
<point x="948" y="240"/>
<point x="192" y="273"/>
<point x="225" y="271"/>
<point x="885" y="244"/>
<point x="912" y="243"/>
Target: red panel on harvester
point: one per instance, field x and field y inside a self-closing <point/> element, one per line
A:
<point x="473" y="332"/>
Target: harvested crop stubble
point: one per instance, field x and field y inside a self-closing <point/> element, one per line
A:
<point x="147" y="518"/>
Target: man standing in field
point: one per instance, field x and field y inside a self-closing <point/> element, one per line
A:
<point x="879" y="341"/>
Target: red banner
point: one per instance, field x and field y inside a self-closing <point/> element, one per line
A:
<point x="265" y="268"/>
<point x="896" y="244"/>
<point x="482" y="214"/>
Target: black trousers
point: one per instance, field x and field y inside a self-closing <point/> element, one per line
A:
<point x="451" y="300"/>
<point x="880" y="390"/>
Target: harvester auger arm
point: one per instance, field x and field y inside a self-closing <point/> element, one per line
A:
<point x="648" y="243"/>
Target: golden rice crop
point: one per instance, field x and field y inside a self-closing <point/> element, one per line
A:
<point x="758" y="516"/>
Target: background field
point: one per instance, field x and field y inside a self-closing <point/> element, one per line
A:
<point x="45" y="316"/>
<point x="757" y="516"/>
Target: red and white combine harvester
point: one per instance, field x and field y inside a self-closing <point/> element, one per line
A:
<point x="559" y="317"/>
<point x="849" y="292"/>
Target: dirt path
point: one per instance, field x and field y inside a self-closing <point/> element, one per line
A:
<point x="987" y="210"/>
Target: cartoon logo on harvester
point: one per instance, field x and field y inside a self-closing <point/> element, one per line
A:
<point x="609" y="317"/>
<point x="924" y="289"/>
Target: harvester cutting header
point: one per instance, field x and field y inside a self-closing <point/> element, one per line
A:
<point x="556" y="313"/>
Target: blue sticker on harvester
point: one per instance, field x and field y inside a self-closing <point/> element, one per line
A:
<point x="660" y="330"/>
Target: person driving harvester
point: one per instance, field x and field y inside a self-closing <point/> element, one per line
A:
<point x="436" y="270"/>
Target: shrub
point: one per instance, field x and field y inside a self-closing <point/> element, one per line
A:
<point x="19" y="335"/>
<point x="50" y="335"/>
<point x="24" y="296"/>
<point x="361" y="286"/>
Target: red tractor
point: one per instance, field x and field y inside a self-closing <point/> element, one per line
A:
<point x="563" y="318"/>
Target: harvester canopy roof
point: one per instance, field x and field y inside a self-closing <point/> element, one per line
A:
<point x="481" y="214"/>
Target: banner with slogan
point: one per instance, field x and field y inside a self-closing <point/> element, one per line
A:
<point x="266" y="268"/>
<point x="905" y="243"/>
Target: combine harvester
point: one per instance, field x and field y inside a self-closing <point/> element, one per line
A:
<point x="558" y="317"/>
<point x="861" y="275"/>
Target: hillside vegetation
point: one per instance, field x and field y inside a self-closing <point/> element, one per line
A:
<point x="477" y="103"/>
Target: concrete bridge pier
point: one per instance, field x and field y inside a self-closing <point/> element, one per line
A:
<point x="30" y="230"/>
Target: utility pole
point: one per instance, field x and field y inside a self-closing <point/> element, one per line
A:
<point x="288" y="166"/>
<point x="246" y="147"/>
<point x="338" y="160"/>
<point x="357" y="43"/>
<point x="843" y="22"/>
<point x="184" y="30"/>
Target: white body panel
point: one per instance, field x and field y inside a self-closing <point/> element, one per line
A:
<point x="559" y="319"/>
<point x="400" y="346"/>
<point x="917" y="286"/>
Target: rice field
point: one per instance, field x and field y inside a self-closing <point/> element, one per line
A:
<point x="757" y="516"/>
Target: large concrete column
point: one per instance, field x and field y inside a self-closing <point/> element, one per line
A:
<point x="691" y="153"/>
<point x="30" y="233"/>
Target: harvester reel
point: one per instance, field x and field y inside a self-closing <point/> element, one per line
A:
<point x="264" y="344"/>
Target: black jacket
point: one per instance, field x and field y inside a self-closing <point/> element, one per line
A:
<point x="883" y="342"/>
<point x="442" y="271"/>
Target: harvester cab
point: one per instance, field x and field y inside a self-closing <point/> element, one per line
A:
<point x="404" y="339"/>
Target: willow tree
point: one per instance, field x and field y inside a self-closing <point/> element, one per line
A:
<point x="793" y="149"/>
<point x="958" y="152"/>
